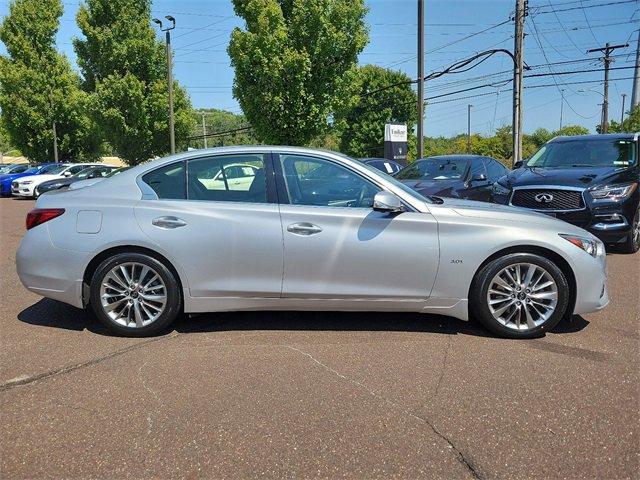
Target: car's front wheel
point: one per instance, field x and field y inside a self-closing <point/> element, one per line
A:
<point x="134" y="295"/>
<point x="632" y="243"/>
<point x="520" y="295"/>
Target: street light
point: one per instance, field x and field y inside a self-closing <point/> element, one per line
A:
<point x="172" y="138"/>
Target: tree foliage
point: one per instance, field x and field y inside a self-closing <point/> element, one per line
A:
<point x="631" y="124"/>
<point x="290" y="63"/>
<point x="39" y="88"/>
<point x="124" y="66"/>
<point x="499" y="145"/>
<point x="217" y="121"/>
<point x="361" y="119"/>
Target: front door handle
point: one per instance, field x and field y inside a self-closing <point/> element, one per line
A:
<point x="304" y="228"/>
<point x="169" y="222"/>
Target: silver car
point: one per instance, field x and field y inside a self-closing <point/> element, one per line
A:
<point x="314" y="230"/>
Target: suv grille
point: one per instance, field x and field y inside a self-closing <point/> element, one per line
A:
<point x="547" y="199"/>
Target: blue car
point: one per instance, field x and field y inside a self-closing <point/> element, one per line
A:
<point x="6" y="179"/>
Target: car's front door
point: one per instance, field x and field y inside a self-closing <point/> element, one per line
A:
<point x="336" y="246"/>
<point x="226" y="237"/>
<point x="477" y="185"/>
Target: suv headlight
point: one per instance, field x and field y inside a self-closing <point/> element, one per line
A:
<point x="595" y="248"/>
<point x="614" y="192"/>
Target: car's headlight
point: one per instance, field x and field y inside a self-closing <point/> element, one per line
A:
<point x="595" y="248"/>
<point x="614" y="192"/>
<point x="28" y="182"/>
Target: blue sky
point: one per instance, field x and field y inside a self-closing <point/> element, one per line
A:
<point x="564" y="29"/>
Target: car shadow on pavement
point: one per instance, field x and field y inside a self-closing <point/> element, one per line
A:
<point x="49" y="313"/>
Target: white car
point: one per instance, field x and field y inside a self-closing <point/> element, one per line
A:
<point x="237" y="176"/>
<point x="26" y="186"/>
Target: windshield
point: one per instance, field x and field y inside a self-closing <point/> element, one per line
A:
<point x="53" y="169"/>
<point x="588" y="153"/>
<point x="435" y="169"/>
<point x="32" y="170"/>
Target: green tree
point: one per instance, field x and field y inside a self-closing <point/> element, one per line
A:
<point x="124" y="66"/>
<point x="570" y="130"/>
<point x="217" y="121"/>
<point x="372" y="103"/>
<point x="291" y="63"/>
<point x="38" y="87"/>
<point x="631" y="124"/>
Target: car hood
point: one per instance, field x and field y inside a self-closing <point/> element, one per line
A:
<point x="84" y="183"/>
<point x="572" y="177"/>
<point x="39" y="178"/>
<point x="434" y="187"/>
<point x="12" y="176"/>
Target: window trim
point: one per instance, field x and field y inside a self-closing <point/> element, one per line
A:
<point x="149" y="194"/>
<point x="283" y="193"/>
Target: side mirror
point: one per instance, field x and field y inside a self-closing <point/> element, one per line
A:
<point x="387" y="202"/>
<point x="67" y="174"/>
<point x="478" y="177"/>
<point x="518" y="164"/>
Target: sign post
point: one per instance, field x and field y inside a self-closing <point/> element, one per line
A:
<point x="395" y="142"/>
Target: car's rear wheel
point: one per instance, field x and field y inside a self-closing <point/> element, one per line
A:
<point x="134" y="295"/>
<point x="520" y="295"/>
<point x="632" y="244"/>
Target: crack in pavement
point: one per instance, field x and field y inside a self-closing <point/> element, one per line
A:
<point x="444" y="367"/>
<point x="28" y="379"/>
<point x="473" y="470"/>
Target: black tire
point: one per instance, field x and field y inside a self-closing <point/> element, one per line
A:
<point x="479" y="307"/>
<point x="632" y="243"/>
<point x="173" y="295"/>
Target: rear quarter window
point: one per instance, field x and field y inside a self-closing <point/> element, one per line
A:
<point x="168" y="182"/>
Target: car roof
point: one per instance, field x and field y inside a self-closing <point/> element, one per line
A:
<point x="597" y="137"/>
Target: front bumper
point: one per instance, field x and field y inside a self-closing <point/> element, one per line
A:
<point x="18" y="190"/>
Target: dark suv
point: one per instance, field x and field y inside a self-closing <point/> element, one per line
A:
<point x="588" y="180"/>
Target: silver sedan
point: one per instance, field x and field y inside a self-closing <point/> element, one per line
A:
<point x="313" y="230"/>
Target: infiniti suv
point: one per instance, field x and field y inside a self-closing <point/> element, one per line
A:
<point x="589" y="180"/>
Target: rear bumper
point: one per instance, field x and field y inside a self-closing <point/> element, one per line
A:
<point x="49" y="271"/>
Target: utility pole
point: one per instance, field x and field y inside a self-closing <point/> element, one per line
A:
<point x="624" y="97"/>
<point x="55" y="142"/>
<point x="204" y="131"/>
<point x="561" y="106"/>
<point x="636" y="81"/>
<point x="469" y="128"/>
<point x="607" y="49"/>
<point x="172" y="138"/>
<point x="420" y="78"/>
<point x="521" y="12"/>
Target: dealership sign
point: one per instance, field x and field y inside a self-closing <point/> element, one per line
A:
<point x="395" y="142"/>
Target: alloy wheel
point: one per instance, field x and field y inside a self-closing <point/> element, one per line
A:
<point x="522" y="296"/>
<point x="133" y="295"/>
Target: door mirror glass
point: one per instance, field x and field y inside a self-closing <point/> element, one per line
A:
<point x="387" y="202"/>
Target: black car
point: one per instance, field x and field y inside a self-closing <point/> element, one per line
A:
<point x="459" y="176"/>
<point x="84" y="174"/>
<point x="588" y="180"/>
<point x="390" y="167"/>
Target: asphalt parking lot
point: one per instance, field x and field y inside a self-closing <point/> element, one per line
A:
<point x="322" y="395"/>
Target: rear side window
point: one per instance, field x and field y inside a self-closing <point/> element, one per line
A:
<point x="228" y="178"/>
<point x="168" y="181"/>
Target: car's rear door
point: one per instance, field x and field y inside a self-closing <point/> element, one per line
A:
<point x="227" y="238"/>
<point x="336" y="246"/>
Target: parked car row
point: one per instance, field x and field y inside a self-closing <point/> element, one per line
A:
<point x="30" y="181"/>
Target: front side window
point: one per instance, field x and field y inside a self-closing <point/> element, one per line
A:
<point x="585" y="154"/>
<point x="75" y="169"/>
<point x="53" y="169"/>
<point x="495" y="169"/>
<point x="168" y="181"/>
<point x="435" y="169"/>
<point x="319" y="182"/>
<point x="228" y="178"/>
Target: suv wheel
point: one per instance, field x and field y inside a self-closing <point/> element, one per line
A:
<point x="632" y="244"/>
<point x="134" y="295"/>
<point x="520" y="295"/>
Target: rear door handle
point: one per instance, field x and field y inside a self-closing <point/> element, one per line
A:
<point x="304" y="228"/>
<point x="168" y="222"/>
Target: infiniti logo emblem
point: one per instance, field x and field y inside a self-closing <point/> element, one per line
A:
<point x="544" y="198"/>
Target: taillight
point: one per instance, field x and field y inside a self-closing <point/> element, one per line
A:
<point x="40" y="215"/>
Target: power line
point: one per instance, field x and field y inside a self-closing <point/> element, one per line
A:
<point x="587" y="6"/>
